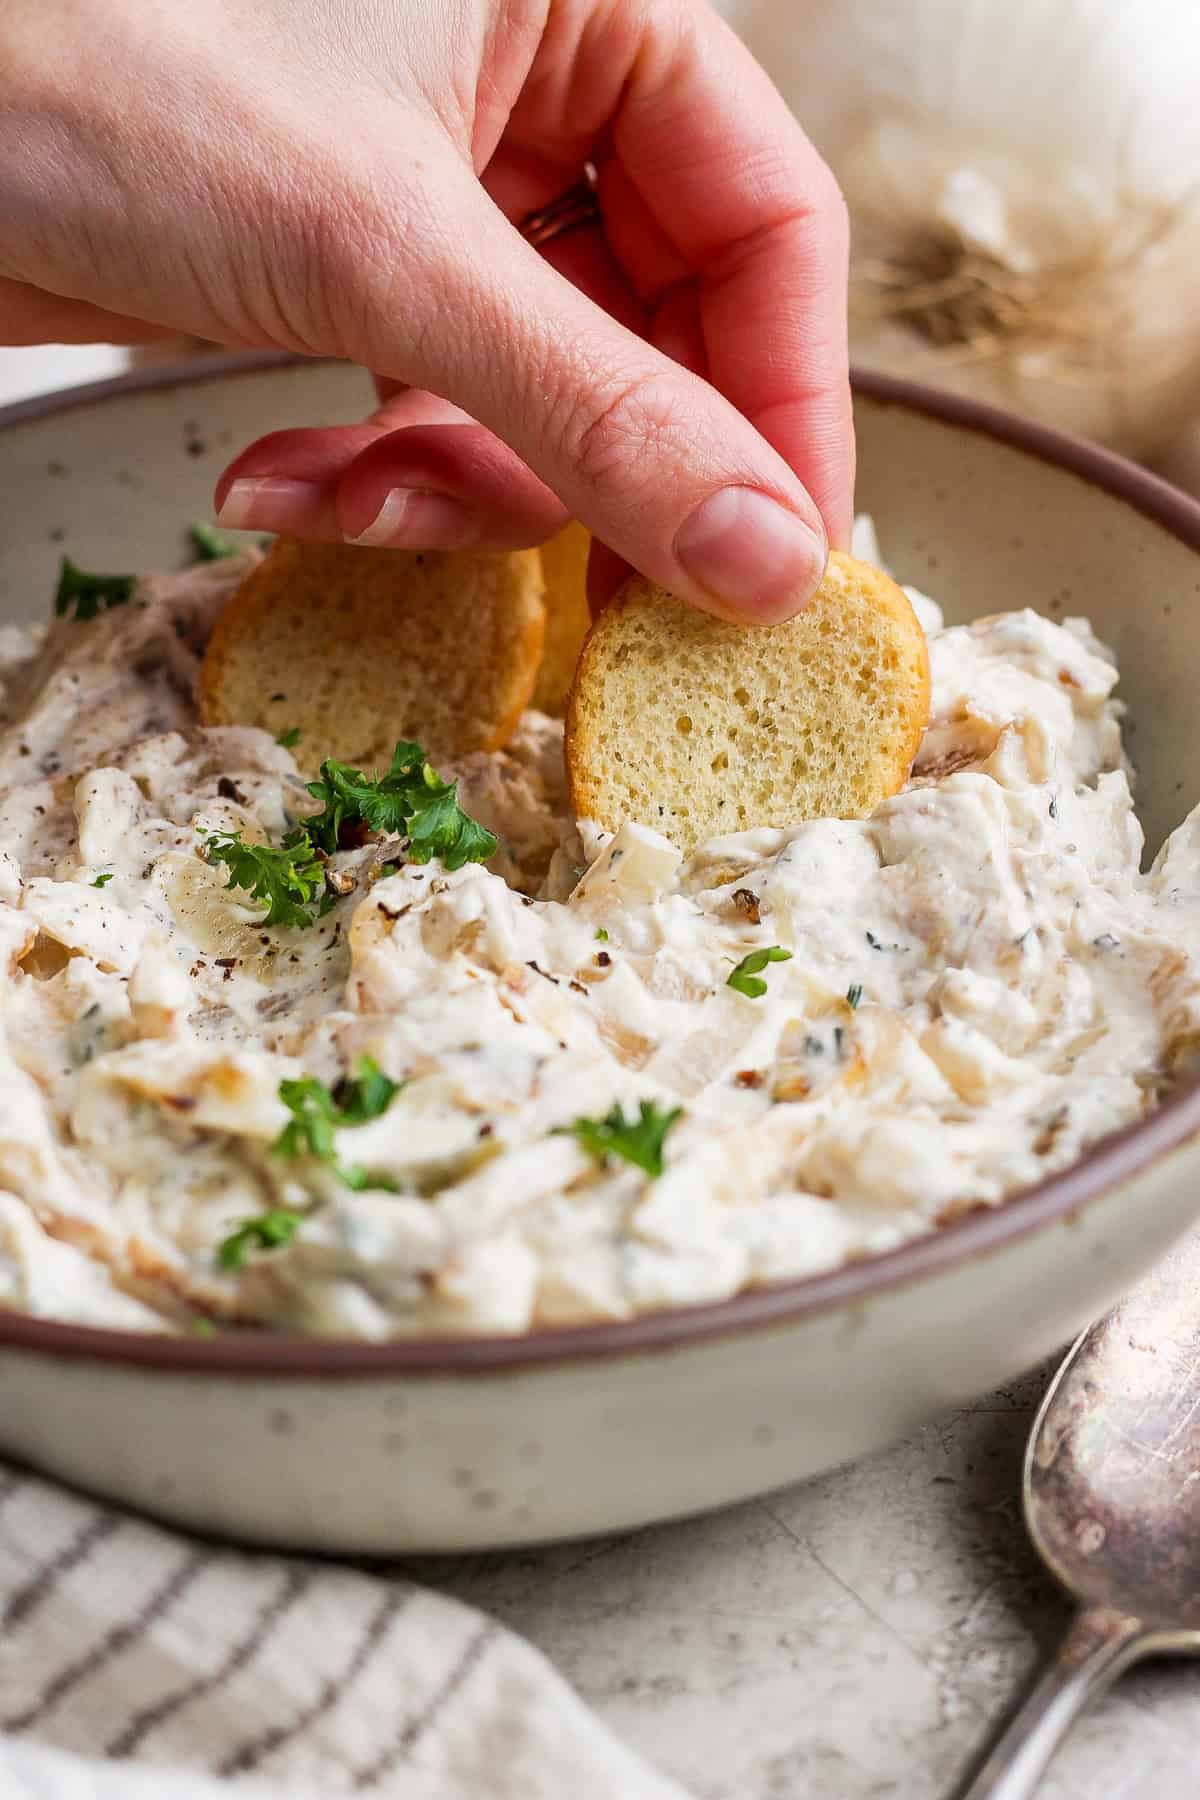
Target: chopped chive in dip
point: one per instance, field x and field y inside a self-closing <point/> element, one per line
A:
<point x="103" y="880"/>
<point x="854" y="994"/>
<point x="601" y="935"/>
<point x="745" y="979"/>
<point x="82" y="596"/>
<point x="878" y="944"/>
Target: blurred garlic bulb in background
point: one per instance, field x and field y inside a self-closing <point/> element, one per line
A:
<point x="1023" y="178"/>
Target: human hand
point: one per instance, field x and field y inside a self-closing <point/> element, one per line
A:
<point x="294" y="174"/>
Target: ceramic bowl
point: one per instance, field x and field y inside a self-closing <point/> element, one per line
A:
<point x="487" y="1442"/>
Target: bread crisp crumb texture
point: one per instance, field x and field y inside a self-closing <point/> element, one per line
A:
<point x="700" y="728"/>
<point x="355" y="648"/>
<point x="564" y="568"/>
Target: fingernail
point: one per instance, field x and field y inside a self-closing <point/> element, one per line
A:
<point x="270" y="503"/>
<point x="425" y="521"/>
<point x="754" y="559"/>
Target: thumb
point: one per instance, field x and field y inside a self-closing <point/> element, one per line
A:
<point x="650" y="456"/>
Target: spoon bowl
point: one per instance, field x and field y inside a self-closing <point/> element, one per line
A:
<point x="1112" y="1503"/>
<point x="1112" y="1473"/>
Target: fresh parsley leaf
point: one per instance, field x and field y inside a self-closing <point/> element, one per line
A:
<point x="317" y="1112"/>
<point x="103" y="880"/>
<point x="309" y="1131"/>
<point x="269" y="1231"/>
<point x="289" y="738"/>
<point x="366" y="1095"/>
<point x="639" y="1141"/>
<point x="601" y="935"/>
<point x="854" y="994"/>
<point x="83" y="596"/>
<point x="410" y="799"/>
<point x="289" y="878"/>
<point x="745" y="978"/>
<point x="211" y="544"/>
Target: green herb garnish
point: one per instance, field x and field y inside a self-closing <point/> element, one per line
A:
<point x="745" y="978"/>
<point x="83" y="596"/>
<point x="854" y="994"/>
<point x="103" y="880"/>
<point x="269" y="1231"/>
<point x="366" y="1095"/>
<point x="601" y="935"/>
<point x="639" y="1141"/>
<point x="211" y="544"/>
<point x="317" y="1112"/>
<point x="409" y="800"/>
<point x="289" y="738"/>
<point x="290" y="878"/>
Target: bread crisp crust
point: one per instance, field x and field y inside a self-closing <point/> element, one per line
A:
<point x="564" y="570"/>
<point x="700" y="728"/>
<point x="355" y="648"/>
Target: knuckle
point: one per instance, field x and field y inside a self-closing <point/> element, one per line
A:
<point x="831" y="204"/>
<point x="617" y="434"/>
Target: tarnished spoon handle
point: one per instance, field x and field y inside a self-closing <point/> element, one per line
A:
<point x="1099" y="1644"/>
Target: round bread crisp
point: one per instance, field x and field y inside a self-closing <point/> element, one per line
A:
<point x="355" y="648"/>
<point x="700" y="728"/>
<point x="564" y="568"/>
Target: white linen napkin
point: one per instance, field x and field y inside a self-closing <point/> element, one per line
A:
<point x="138" y="1664"/>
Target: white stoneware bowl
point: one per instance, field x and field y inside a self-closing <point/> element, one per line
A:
<point x="485" y="1442"/>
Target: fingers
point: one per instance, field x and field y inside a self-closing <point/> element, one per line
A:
<point x="662" y="467"/>
<point x="728" y="180"/>
<point x="437" y="486"/>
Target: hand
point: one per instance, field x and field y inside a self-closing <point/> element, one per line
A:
<point x="341" y="181"/>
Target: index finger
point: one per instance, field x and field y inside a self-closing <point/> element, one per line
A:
<point x="730" y="179"/>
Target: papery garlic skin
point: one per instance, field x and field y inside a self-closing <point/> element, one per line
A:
<point x="1024" y="185"/>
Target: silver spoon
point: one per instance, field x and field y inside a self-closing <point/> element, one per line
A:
<point x="1112" y="1503"/>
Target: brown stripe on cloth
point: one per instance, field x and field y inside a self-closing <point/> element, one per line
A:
<point x="127" y="1740"/>
<point x="256" y="1750"/>
<point x="410" y="1735"/>
<point x="42" y="1583"/>
<point x="119" y="1638"/>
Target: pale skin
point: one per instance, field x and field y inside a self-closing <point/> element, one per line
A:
<point x="342" y="179"/>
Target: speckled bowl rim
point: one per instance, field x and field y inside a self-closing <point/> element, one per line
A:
<point x="1115" y="1160"/>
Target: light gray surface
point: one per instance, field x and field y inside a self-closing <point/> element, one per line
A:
<point x="857" y="1636"/>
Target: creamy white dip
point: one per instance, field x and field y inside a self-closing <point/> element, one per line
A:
<point x="981" y="984"/>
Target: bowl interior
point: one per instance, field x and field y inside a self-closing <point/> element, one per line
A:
<point x="984" y="524"/>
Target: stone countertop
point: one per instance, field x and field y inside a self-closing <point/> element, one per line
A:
<point x="857" y="1636"/>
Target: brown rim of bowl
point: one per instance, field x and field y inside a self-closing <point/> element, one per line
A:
<point x="1114" y="1160"/>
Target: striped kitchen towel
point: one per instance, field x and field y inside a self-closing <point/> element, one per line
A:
<point x="137" y="1664"/>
